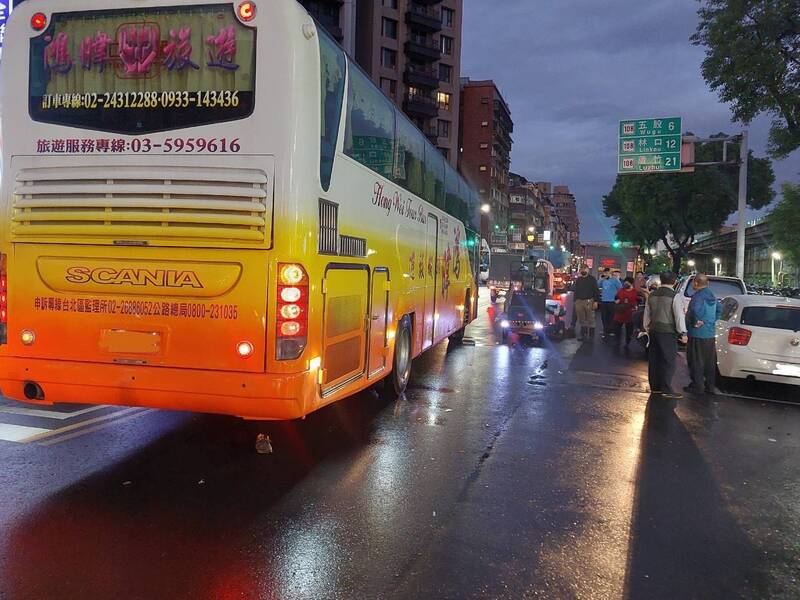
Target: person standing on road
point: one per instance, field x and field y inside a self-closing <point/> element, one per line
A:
<point x="640" y="282"/>
<point x="608" y="302"/>
<point x="665" y="323"/>
<point x="701" y="352"/>
<point x="627" y="300"/>
<point x="586" y="294"/>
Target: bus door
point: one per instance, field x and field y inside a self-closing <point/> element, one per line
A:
<point x="345" y="342"/>
<point x="431" y="278"/>
<point x="379" y="313"/>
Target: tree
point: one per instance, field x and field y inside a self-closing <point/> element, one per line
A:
<point x="784" y="221"/>
<point x="674" y="207"/>
<point x="658" y="264"/>
<point x="753" y="62"/>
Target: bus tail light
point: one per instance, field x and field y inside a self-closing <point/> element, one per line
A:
<point x="738" y="336"/>
<point x="3" y="299"/>
<point x="291" y="320"/>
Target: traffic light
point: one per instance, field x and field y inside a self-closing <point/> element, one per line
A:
<point x="616" y="244"/>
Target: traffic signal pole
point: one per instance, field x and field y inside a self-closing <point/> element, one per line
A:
<point x="742" y="163"/>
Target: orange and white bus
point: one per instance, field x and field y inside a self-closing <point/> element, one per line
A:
<point x="209" y="207"/>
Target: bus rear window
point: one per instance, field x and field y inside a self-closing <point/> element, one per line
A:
<point x="143" y="70"/>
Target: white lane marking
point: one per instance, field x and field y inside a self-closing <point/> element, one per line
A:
<point x="47" y="414"/>
<point x="60" y="430"/>
<point x="19" y="433"/>
<point x="94" y="428"/>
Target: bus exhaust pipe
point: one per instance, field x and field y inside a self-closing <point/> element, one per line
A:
<point x="33" y="391"/>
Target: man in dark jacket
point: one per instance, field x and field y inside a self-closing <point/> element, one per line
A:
<point x="586" y="295"/>
<point x="701" y="352"/>
<point x="665" y="323"/>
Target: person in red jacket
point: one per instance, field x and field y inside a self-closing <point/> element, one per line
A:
<point x="627" y="300"/>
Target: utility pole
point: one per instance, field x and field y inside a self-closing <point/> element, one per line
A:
<point x="740" y="233"/>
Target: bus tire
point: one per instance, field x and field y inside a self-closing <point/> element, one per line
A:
<point x="395" y="383"/>
<point x="458" y="336"/>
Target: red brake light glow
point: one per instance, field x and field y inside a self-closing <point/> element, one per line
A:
<point x="738" y="336"/>
<point x="247" y="11"/>
<point x="38" y="21"/>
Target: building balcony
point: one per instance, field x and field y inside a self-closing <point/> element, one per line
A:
<point x="426" y="77"/>
<point x="427" y="2"/>
<point x="418" y="104"/>
<point x="424" y="18"/>
<point x="503" y="143"/>
<point x="427" y="51"/>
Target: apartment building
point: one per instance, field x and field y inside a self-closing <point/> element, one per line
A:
<point x="412" y="50"/>
<point x="485" y="152"/>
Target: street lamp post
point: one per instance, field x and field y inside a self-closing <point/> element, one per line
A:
<point x="717" y="263"/>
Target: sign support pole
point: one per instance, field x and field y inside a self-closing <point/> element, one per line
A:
<point x="740" y="233"/>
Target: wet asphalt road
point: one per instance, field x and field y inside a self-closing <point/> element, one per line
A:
<point x="510" y="471"/>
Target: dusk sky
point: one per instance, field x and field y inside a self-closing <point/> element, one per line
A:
<point x="570" y="70"/>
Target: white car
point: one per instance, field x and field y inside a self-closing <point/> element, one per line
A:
<point x="721" y="286"/>
<point x="758" y="338"/>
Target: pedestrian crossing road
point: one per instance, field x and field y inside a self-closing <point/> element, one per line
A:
<point x="24" y="423"/>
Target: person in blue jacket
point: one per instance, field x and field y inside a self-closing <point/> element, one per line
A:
<point x="608" y="301"/>
<point x="701" y="352"/>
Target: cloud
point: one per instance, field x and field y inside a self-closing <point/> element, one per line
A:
<point x="570" y="70"/>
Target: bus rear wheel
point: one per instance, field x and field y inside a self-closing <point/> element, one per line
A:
<point x="458" y="336"/>
<point x="395" y="383"/>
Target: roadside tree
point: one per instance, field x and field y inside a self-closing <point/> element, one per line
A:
<point x="785" y="223"/>
<point x="753" y="62"/>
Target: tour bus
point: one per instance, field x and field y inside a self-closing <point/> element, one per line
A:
<point x="209" y="207"/>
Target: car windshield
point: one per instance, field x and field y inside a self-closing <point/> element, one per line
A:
<point x="772" y="317"/>
<point x="722" y="288"/>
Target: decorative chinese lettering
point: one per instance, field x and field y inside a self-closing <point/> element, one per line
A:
<point x="138" y="48"/>
<point x="56" y="54"/>
<point x="94" y="51"/>
<point x="178" y="51"/>
<point x="222" y="49"/>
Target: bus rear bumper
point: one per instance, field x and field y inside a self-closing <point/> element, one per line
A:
<point x="247" y="395"/>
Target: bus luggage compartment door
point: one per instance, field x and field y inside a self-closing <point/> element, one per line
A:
<point x="344" y="325"/>
<point x="431" y="280"/>
<point x="379" y="304"/>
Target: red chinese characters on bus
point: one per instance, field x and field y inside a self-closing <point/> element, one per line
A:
<point x="178" y="51"/>
<point x="138" y="48"/>
<point x="56" y="54"/>
<point x="222" y="49"/>
<point x="94" y="51"/>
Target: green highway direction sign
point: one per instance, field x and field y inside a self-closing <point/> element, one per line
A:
<point x="649" y="145"/>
